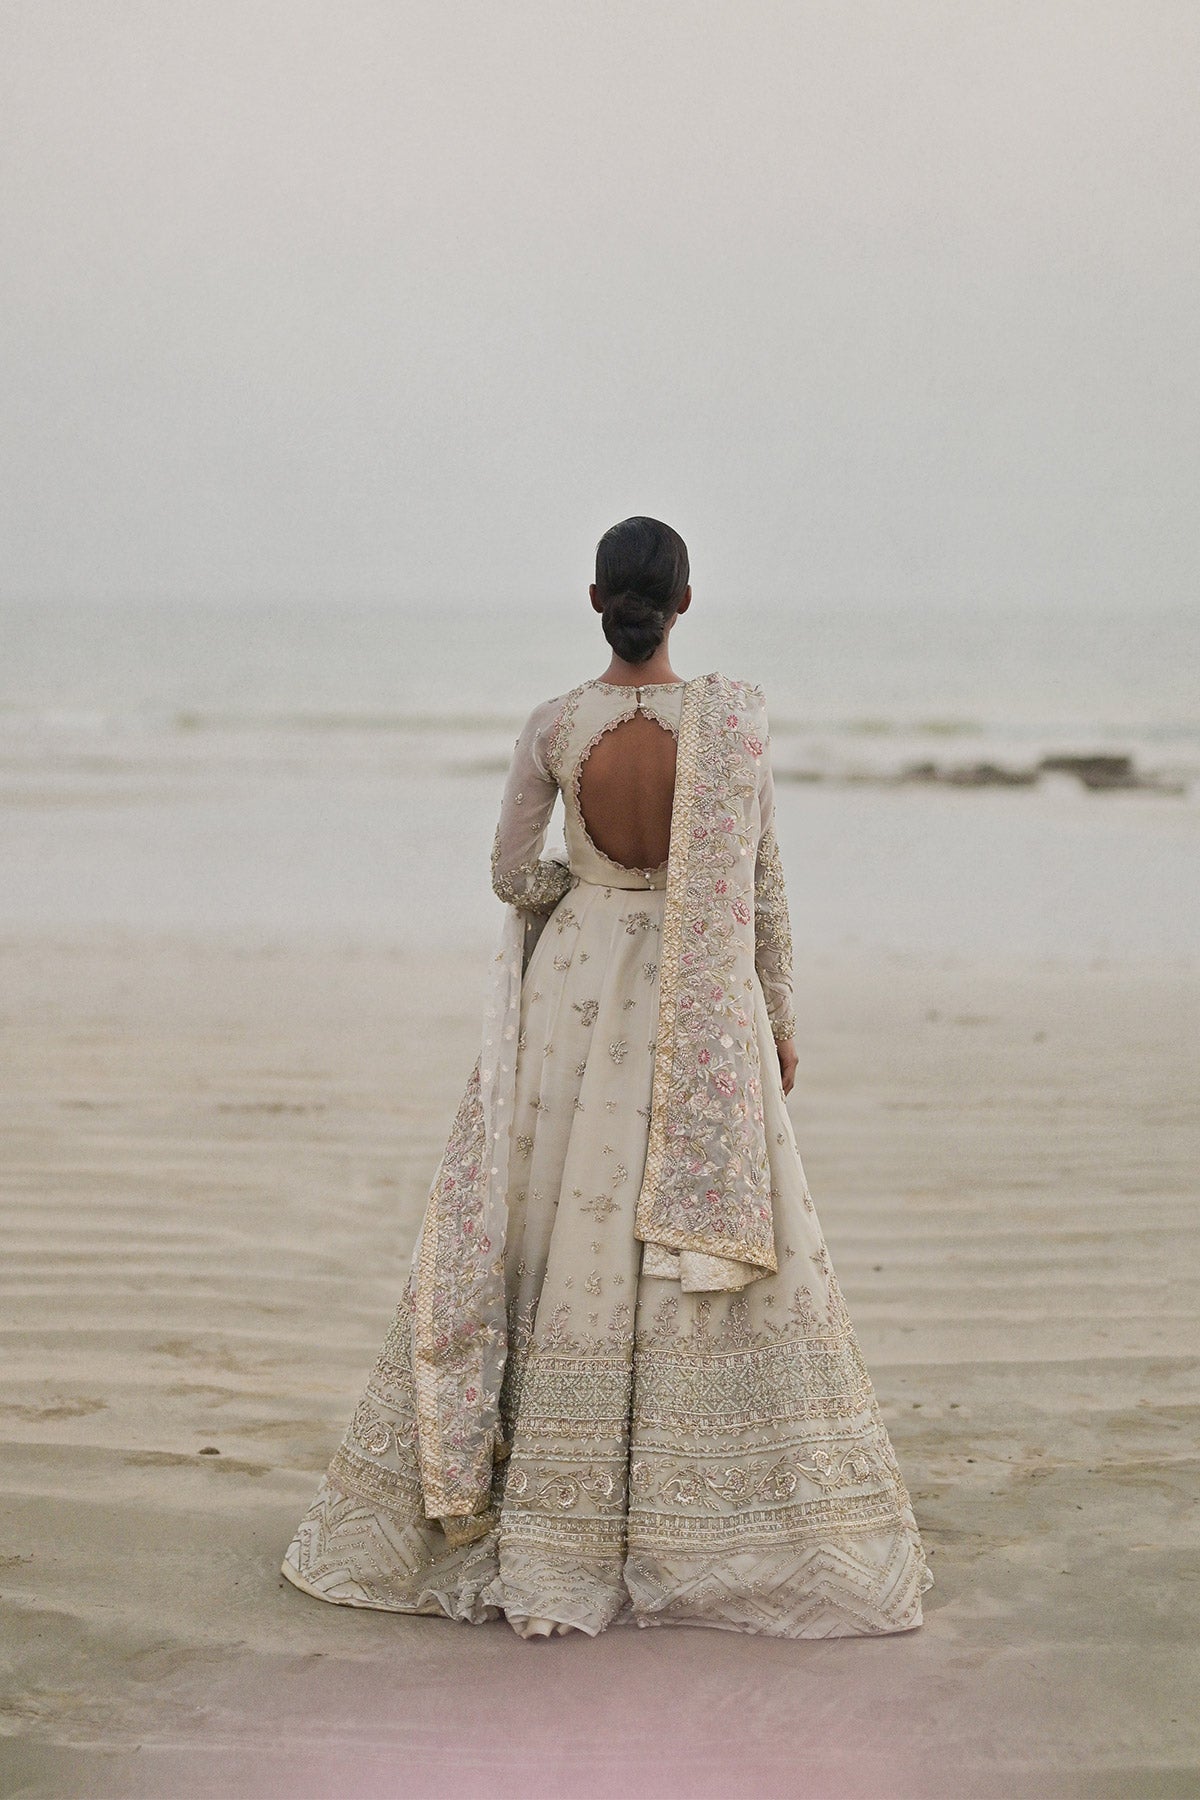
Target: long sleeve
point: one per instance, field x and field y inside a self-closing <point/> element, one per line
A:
<point x="520" y="875"/>
<point x="772" y="927"/>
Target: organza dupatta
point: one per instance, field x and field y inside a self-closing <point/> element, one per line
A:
<point x="704" y="1205"/>
<point x="459" y="1332"/>
<point x="704" y="1209"/>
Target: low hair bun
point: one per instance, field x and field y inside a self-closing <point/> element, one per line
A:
<point x="634" y="626"/>
<point x="642" y="574"/>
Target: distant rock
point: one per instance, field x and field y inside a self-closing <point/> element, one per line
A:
<point x="984" y="774"/>
<point x="1103" y="773"/>
<point x="1095" y="771"/>
<point x="1099" y="773"/>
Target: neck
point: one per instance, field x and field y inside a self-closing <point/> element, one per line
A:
<point x="655" y="669"/>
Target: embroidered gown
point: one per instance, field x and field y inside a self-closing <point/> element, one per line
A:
<point x="684" y="1444"/>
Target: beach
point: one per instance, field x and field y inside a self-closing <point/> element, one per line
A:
<point x="245" y="922"/>
<point x="216" y="1153"/>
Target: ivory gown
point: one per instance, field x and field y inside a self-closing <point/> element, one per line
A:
<point x="678" y="1457"/>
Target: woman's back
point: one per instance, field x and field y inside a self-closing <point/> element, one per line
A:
<point x="626" y="788"/>
<point x="610" y="749"/>
<point x="613" y="756"/>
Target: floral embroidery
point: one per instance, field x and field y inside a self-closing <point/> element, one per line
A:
<point x="638" y="921"/>
<point x="773" y="936"/>
<point x="707" y="1179"/>
<point x="561" y="1491"/>
<point x="372" y="1432"/>
<point x="557" y="734"/>
<point x="761" y="1480"/>
<point x="456" y="1292"/>
<point x="534" y="886"/>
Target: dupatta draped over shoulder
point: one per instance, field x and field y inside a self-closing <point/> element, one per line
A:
<point x="704" y="1207"/>
<point x="707" y="1184"/>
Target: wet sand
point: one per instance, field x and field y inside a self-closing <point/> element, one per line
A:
<point x="215" y="1159"/>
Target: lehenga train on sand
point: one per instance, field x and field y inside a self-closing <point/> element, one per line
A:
<point x="622" y="1384"/>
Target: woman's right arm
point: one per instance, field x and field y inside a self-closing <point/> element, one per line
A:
<point x="521" y="876"/>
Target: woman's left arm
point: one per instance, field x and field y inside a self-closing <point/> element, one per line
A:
<point x="772" y="928"/>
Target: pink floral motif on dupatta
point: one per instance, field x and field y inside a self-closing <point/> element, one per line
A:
<point x="707" y="1185"/>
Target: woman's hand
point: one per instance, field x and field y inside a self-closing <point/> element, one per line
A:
<point x="787" y="1062"/>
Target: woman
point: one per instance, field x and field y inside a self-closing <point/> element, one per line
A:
<point x="622" y="1383"/>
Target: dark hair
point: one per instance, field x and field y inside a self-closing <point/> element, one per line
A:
<point x="641" y="576"/>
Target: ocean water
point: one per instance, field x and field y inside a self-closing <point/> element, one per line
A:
<point x="284" y="768"/>
<point x="835" y="676"/>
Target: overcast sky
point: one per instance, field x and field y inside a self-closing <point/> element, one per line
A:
<point x="888" y="301"/>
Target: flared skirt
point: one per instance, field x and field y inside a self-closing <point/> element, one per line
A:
<point x="673" y="1457"/>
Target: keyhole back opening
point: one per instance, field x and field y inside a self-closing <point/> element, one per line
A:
<point x="625" y="789"/>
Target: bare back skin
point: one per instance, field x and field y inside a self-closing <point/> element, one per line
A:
<point x="626" y="789"/>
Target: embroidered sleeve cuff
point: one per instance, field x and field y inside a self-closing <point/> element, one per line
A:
<point x="536" y="886"/>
